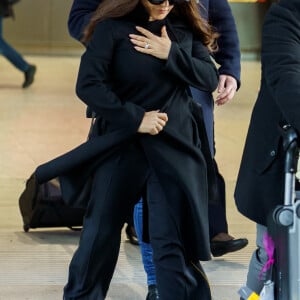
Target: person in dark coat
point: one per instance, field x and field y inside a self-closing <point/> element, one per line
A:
<point x="6" y="10"/>
<point x="219" y="14"/>
<point x="228" y="57"/>
<point x="151" y="144"/>
<point x="260" y="182"/>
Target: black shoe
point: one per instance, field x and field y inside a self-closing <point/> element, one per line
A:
<point x="131" y="235"/>
<point x="29" y="76"/>
<point x="219" y="248"/>
<point x="152" y="293"/>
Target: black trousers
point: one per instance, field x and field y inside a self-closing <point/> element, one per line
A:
<point x="217" y="212"/>
<point x="118" y="184"/>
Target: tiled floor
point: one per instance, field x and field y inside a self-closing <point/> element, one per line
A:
<point x="44" y="121"/>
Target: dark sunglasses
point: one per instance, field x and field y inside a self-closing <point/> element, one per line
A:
<point x="171" y="2"/>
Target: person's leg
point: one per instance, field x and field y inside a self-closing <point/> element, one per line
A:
<point x="10" y="53"/>
<point x="146" y="252"/>
<point x="93" y="264"/>
<point x="100" y="234"/>
<point x="16" y="59"/>
<point x="221" y="241"/>
<point x="256" y="279"/>
<point x="218" y="211"/>
<point x="146" y="249"/>
<point x="177" y="277"/>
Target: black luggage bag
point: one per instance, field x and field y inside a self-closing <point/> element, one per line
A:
<point x="42" y="205"/>
<point x="284" y="226"/>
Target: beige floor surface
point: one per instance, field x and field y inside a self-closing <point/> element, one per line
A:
<point x="47" y="119"/>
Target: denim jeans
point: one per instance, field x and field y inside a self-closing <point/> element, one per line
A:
<point x="10" y="53"/>
<point x="146" y="249"/>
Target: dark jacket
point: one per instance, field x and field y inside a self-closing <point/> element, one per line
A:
<point x="120" y="84"/>
<point x="260" y="180"/>
<point x="220" y="16"/>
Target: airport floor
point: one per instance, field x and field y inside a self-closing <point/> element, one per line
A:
<point x="47" y="119"/>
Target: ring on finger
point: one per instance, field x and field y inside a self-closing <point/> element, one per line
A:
<point x="147" y="46"/>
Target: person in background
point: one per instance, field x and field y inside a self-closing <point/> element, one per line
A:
<point x="152" y="144"/>
<point x="260" y="182"/>
<point x="219" y="15"/>
<point x="6" y="10"/>
<point x="228" y="57"/>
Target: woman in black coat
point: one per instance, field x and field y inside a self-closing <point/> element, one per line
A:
<point x="260" y="183"/>
<point x="140" y="60"/>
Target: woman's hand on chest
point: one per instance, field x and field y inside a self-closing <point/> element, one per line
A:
<point x="149" y="43"/>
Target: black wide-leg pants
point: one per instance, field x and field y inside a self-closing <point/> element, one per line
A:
<point x="118" y="184"/>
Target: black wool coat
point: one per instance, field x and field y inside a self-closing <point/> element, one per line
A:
<point x="119" y="84"/>
<point x="260" y="183"/>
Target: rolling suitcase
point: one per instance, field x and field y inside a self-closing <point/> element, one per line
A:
<point x="284" y="226"/>
<point x="42" y="205"/>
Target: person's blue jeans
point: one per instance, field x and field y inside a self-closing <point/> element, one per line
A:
<point x="146" y="249"/>
<point x="10" y="53"/>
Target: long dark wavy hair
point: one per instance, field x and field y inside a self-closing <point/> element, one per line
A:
<point x="188" y="10"/>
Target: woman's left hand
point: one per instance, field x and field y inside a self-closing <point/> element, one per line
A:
<point x="149" y="43"/>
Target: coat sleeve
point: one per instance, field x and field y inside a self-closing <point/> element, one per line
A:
<point x="93" y="85"/>
<point x="80" y="15"/>
<point x="196" y="69"/>
<point x="281" y="61"/>
<point x="228" y="56"/>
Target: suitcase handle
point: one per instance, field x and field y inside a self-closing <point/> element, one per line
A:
<point x="290" y="146"/>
